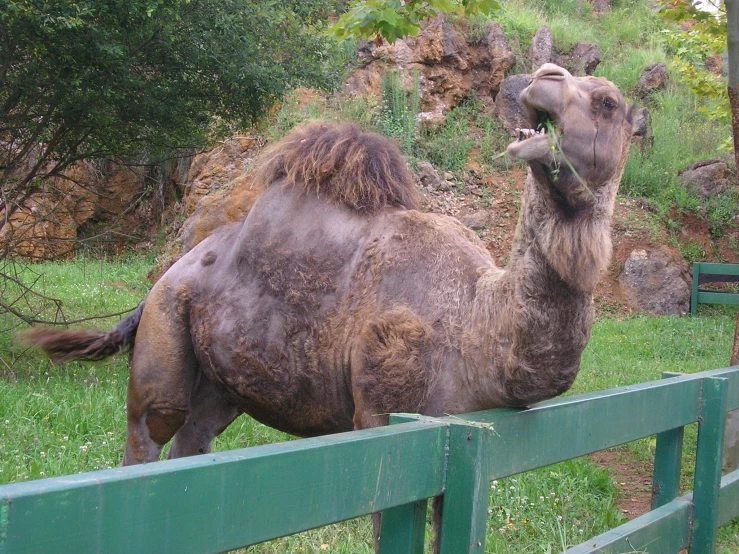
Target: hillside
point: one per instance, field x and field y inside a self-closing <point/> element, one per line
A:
<point x="448" y="98"/>
<point x="445" y="96"/>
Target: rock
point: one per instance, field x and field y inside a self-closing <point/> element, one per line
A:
<point x="643" y="134"/>
<point x="706" y="178"/>
<point x="429" y="177"/>
<point x="502" y="58"/>
<point x="582" y="60"/>
<point x="433" y="119"/>
<point x="657" y="281"/>
<point x="601" y="6"/>
<point x="715" y="64"/>
<point x="652" y="78"/>
<point x="541" y="49"/>
<point x="93" y="199"/>
<point x="448" y="67"/>
<point x="507" y="107"/>
<point x="215" y="210"/>
<point x="217" y="168"/>
<point x="476" y="220"/>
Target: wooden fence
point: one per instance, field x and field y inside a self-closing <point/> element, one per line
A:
<point x="223" y="501"/>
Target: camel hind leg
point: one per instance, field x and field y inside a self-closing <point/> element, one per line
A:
<point x="210" y="415"/>
<point x="163" y="375"/>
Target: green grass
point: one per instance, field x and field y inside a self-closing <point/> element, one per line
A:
<point x="63" y="420"/>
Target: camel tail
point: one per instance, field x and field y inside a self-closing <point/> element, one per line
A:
<point x="362" y="170"/>
<point x="63" y="345"/>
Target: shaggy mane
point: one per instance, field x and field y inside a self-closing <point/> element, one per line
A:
<point x="363" y="170"/>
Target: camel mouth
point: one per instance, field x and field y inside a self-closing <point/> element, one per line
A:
<point x="536" y="142"/>
<point x="543" y="120"/>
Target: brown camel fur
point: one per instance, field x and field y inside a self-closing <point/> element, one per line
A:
<point x="336" y="300"/>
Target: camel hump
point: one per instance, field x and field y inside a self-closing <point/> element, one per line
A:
<point x="362" y="170"/>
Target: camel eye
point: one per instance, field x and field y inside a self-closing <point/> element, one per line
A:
<point x="609" y="103"/>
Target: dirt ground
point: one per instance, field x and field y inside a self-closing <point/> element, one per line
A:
<point x="633" y="477"/>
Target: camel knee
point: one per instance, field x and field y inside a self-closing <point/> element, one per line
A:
<point x="163" y="423"/>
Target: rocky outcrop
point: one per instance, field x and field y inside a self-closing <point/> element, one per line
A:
<point x="507" y="107"/>
<point x="541" y="50"/>
<point x="707" y="178"/>
<point x="98" y="202"/>
<point x="449" y="68"/>
<point x="657" y="281"/>
<point x="581" y="60"/>
<point x="224" y="165"/>
<point x="90" y="200"/>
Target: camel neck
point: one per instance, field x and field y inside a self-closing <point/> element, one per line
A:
<point x="539" y="313"/>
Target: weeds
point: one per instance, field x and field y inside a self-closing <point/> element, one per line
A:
<point x="398" y="118"/>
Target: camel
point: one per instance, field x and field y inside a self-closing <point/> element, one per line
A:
<point x="336" y="301"/>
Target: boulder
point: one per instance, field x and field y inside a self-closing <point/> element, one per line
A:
<point x="715" y="64"/>
<point x="601" y="6"/>
<point x="507" y="107"/>
<point x="428" y="176"/>
<point x="502" y="58"/>
<point x="476" y="220"/>
<point x="657" y="281"/>
<point x="582" y="60"/>
<point x="706" y="178"/>
<point x="542" y="48"/>
<point x="643" y="134"/>
<point x="652" y="78"/>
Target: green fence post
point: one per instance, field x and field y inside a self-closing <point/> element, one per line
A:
<point x="694" y="291"/>
<point x="708" y="465"/>
<point x="667" y="463"/>
<point x="404" y="529"/>
<point x="465" y="503"/>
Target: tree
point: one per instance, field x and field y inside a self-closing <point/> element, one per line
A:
<point x="91" y="79"/>
<point x="137" y="82"/>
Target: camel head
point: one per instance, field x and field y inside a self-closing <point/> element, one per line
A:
<point x="579" y="135"/>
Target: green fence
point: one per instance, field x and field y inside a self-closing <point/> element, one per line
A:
<point x="223" y="501"/>
<point x="704" y="273"/>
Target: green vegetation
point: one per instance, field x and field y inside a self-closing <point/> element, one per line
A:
<point x="62" y="420"/>
<point x="391" y="19"/>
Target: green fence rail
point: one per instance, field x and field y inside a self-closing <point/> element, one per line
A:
<point x="228" y="500"/>
<point x="704" y="273"/>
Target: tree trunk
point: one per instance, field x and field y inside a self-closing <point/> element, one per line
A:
<point x="731" y="436"/>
